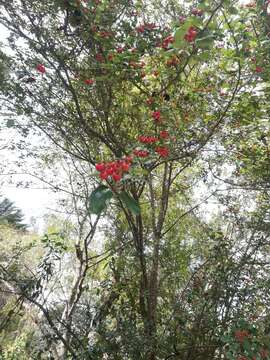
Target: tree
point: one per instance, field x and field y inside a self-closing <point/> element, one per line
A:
<point x="11" y="215"/>
<point x="162" y="106"/>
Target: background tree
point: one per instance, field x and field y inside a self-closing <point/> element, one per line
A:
<point x="11" y="215"/>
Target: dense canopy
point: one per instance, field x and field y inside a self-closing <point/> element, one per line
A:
<point x="159" y="113"/>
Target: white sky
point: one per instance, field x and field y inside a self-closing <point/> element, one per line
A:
<point x="34" y="202"/>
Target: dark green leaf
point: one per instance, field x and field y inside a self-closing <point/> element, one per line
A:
<point x="130" y="203"/>
<point x="99" y="198"/>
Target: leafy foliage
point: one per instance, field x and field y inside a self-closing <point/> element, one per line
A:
<point x="165" y="107"/>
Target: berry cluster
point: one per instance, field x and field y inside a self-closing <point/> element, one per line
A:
<point x="163" y="151"/>
<point x="164" y="134"/>
<point x="141" y="153"/>
<point x="147" y="139"/>
<point x="156" y="115"/>
<point x="41" y="68"/>
<point x="191" y="34"/>
<point x="167" y="41"/>
<point x="114" y="169"/>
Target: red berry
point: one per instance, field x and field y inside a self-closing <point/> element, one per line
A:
<point x="104" y="175"/>
<point x="89" y="81"/>
<point x="110" y="170"/>
<point x="147" y="139"/>
<point x="129" y="159"/>
<point x="125" y="166"/>
<point x="164" y="134"/>
<point x="191" y="34"/>
<point x="156" y="115"/>
<point x="100" y="167"/>
<point x="167" y="41"/>
<point x="141" y="153"/>
<point x="116" y="176"/>
<point x="41" y="68"/>
<point x="162" y="151"/>
<point x="259" y="69"/>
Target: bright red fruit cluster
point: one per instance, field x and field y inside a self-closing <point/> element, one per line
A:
<point x="114" y="169"/>
<point x="147" y="139"/>
<point x="41" y="68"/>
<point x="163" y="151"/>
<point x="141" y="153"/>
<point x="156" y="115"/>
<point x="167" y="41"/>
<point x="164" y="134"/>
<point x="191" y="34"/>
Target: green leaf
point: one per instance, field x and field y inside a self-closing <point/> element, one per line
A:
<point x="179" y="38"/>
<point x="99" y="198"/>
<point x="205" y="42"/>
<point x="130" y="203"/>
